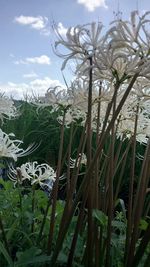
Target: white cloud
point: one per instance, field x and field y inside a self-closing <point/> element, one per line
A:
<point x="43" y="60"/>
<point x="44" y="83"/>
<point x="38" y="23"/>
<point x="11" y="84"/>
<point x="39" y="60"/>
<point x="12" y="55"/>
<point x="91" y="5"/>
<point x="20" y="61"/>
<point x="37" y="86"/>
<point x="30" y="75"/>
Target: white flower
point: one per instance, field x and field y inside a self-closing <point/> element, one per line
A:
<point x="81" y="42"/>
<point x="133" y="39"/>
<point x="73" y="114"/>
<point x="42" y="174"/>
<point x="10" y="147"/>
<point x="127" y="118"/>
<point x="141" y="89"/>
<point x="71" y="101"/>
<point x="55" y="98"/>
<point x="7" y="108"/>
<point x="82" y="160"/>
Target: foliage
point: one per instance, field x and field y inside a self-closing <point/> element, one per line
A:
<point x="97" y="211"/>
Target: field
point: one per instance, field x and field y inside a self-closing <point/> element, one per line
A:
<point x="75" y="173"/>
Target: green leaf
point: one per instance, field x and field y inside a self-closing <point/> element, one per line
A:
<point x="143" y="224"/>
<point x="62" y="257"/>
<point x="2" y="165"/>
<point x="118" y="224"/>
<point x="33" y="260"/>
<point x="31" y="256"/>
<point x="101" y="217"/>
<point x="12" y="229"/>
<point x="6" y="255"/>
<point x="28" y="254"/>
<point x="7" y="184"/>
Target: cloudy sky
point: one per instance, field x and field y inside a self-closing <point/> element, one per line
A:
<point x="27" y="61"/>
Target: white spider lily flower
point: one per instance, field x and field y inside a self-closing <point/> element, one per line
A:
<point x="7" y="108"/>
<point x="79" y="93"/>
<point x="71" y="101"/>
<point x="68" y="119"/>
<point x="42" y="174"/>
<point x="18" y="175"/>
<point x="55" y="98"/>
<point x="141" y="89"/>
<point x="133" y="37"/>
<point x="116" y="63"/>
<point x="132" y="34"/>
<point x="82" y="160"/>
<point x="103" y="107"/>
<point x="127" y="117"/>
<point x="72" y="115"/>
<point x="77" y="111"/>
<point x="81" y="41"/>
<point x="10" y="147"/>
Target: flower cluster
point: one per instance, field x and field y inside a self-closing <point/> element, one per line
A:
<point x="7" y="108"/>
<point x="118" y="55"/>
<point x="82" y="160"/>
<point x="135" y="107"/>
<point x="82" y="42"/>
<point x="42" y="175"/>
<point x="55" y="97"/>
<point x="10" y="147"/>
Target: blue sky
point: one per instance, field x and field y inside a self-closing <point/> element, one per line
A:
<point x="28" y="62"/>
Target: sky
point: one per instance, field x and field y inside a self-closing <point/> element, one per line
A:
<point x="28" y="63"/>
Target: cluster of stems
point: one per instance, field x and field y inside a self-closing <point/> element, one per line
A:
<point x="99" y="191"/>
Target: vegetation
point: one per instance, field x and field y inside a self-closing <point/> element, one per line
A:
<point x="81" y="198"/>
